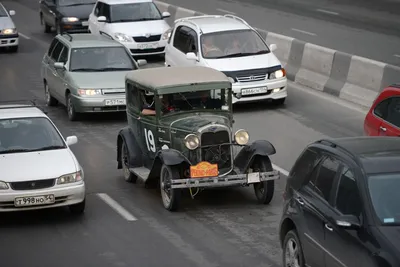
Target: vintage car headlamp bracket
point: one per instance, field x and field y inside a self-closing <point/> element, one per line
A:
<point x="242" y="137"/>
<point x="191" y="141"/>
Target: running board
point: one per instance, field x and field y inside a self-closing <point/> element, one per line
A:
<point x="141" y="172"/>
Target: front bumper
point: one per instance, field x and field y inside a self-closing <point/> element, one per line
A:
<point x="224" y="181"/>
<point x="154" y="48"/>
<point x="94" y="104"/>
<point x="279" y="84"/>
<point x="9" y="40"/>
<point x="64" y="196"/>
<point x="75" y="27"/>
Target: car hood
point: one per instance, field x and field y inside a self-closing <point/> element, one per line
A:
<point x="244" y="63"/>
<point x="80" y="12"/>
<point x="6" y="23"/>
<point x="97" y="80"/>
<point x="140" y="28"/>
<point x="37" y="165"/>
<point x="192" y="122"/>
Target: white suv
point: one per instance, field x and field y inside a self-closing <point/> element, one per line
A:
<point x="229" y="44"/>
<point x="137" y="24"/>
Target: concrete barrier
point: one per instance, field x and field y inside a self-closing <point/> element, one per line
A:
<point x="352" y="78"/>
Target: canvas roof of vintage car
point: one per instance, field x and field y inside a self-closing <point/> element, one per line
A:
<point x="179" y="79"/>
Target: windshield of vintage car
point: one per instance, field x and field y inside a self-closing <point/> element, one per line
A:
<point x="216" y="99"/>
<point x="75" y="2"/>
<point x="98" y="59"/>
<point x="384" y="192"/>
<point x="28" y="135"/>
<point x="228" y="44"/>
<point x="135" y="12"/>
<point x="3" y="12"/>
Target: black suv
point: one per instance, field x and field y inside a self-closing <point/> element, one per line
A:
<point x="65" y="15"/>
<point x="342" y="205"/>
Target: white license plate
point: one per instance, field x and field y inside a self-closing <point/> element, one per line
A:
<point x="115" y="102"/>
<point x="34" y="201"/>
<point x="147" y="46"/>
<point x="254" y="91"/>
<point x="85" y="23"/>
<point x="253" y="177"/>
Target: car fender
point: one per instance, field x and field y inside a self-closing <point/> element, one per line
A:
<point x="245" y="157"/>
<point x="168" y="157"/>
<point x="134" y="152"/>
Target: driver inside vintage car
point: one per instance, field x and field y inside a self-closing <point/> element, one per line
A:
<point x="149" y="109"/>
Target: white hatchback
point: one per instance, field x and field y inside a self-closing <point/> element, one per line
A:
<point x="38" y="168"/>
<point x="137" y="24"/>
<point x="229" y="44"/>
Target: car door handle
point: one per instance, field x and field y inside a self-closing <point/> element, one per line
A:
<point x="327" y="226"/>
<point x="383" y="129"/>
<point x="300" y="201"/>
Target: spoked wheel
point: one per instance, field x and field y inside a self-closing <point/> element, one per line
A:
<point x="264" y="191"/>
<point x="293" y="252"/>
<point x="171" y="198"/>
<point x="128" y="176"/>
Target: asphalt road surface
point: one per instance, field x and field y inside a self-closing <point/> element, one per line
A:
<point x="367" y="28"/>
<point x="125" y="224"/>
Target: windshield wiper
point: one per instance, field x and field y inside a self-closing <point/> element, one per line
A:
<point x="85" y="69"/>
<point x="48" y="148"/>
<point x="16" y="150"/>
<point x="81" y="4"/>
<point x="244" y="54"/>
<point x="110" y="69"/>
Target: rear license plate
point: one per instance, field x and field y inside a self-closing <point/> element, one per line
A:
<point x="115" y="102"/>
<point x="254" y="91"/>
<point x="253" y="177"/>
<point x="85" y="23"/>
<point x="34" y="201"/>
<point x="147" y="46"/>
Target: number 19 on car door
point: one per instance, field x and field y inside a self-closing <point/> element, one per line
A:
<point x="151" y="142"/>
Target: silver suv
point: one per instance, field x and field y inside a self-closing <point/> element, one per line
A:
<point x="86" y="73"/>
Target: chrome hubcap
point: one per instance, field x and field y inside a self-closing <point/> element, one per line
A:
<point x="292" y="254"/>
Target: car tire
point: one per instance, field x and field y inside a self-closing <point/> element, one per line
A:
<point x="78" y="209"/>
<point x="128" y="175"/>
<point x="13" y="49"/>
<point x="264" y="191"/>
<point x="280" y="101"/>
<point x="47" y="28"/>
<point x="172" y="198"/>
<point x="50" y="100"/>
<point x="292" y="250"/>
<point x="72" y="114"/>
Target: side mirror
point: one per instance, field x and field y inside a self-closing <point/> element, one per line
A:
<point x="142" y="62"/>
<point x="102" y="19"/>
<point x="348" y="222"/>
<point x="191" y="56"/>
<point x="12" y="12"/>
<point x="71" y="140"/>
<point x="59" y="65"/>
<point x="273" y="47"/>
<point x="165" y="15"/>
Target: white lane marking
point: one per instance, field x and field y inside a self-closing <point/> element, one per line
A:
<point x="281" y="170"/>
<point x="226" y="11"/>
<point x="397" y="55"/>
<point x="328" y="12"/>
<point x="24" y="36"/>
<point x="117" y="207"/>
<point x="305" y="32"/>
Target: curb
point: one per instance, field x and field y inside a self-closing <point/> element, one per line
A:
<point x="349" y="77"/>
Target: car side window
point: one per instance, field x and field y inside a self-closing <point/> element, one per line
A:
<point x="64" y="55"/>
<point x="393" y="114"/>
<point x="182" y="39"/>
<point x="52" y="45"/>
<point x="57" y="51"/>
<point x="192" y="42"/>
<point x="303" y="167"/>
<point x="133" y="97"/>
<point x="97" y="10"/>
<point x="106" y="11"/>
<point x="381" y="109"/>
<point x="326" y="177"/>
<point x="348" y="200"/>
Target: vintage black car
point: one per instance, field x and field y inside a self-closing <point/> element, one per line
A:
<point x="180" y="135"/>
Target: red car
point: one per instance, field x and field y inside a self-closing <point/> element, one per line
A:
<point x="384" y="116"/>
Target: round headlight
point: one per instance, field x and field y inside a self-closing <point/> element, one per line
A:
<point x="191" y="141"/>
<point x="242" y="137"/>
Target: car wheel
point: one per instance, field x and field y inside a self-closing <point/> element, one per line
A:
<point x="50" y="100"/>
<point x="47" y="28"/>
<point x="128" y="176"/>
<point x="171" y="198"/>
<point x="13" y="49"/>
<point x="292" y="251"/>
<point x="264" y="191"/>
<point x="78" y="209"/>
<point x="280" y="101"/>
<point x="72" y="114"/>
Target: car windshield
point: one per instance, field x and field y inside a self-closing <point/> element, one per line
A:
<point x="384" y="192"/>
<point x="228" y="44"/>
<point x="75" y="2"/>
<point x="135" y="12"/>
<point x="3" y="12"/>
<point x="101" y="59"/>
<point x="195" y="101"/>
<point x="28" y="135"/>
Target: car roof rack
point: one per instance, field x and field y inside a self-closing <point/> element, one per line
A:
<point x="69" y="35"/>
<point x="14" y="104"/>
<point x="236" y="18"/>
<point x="106" y="35"/>
<point x="336" y="145"/>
